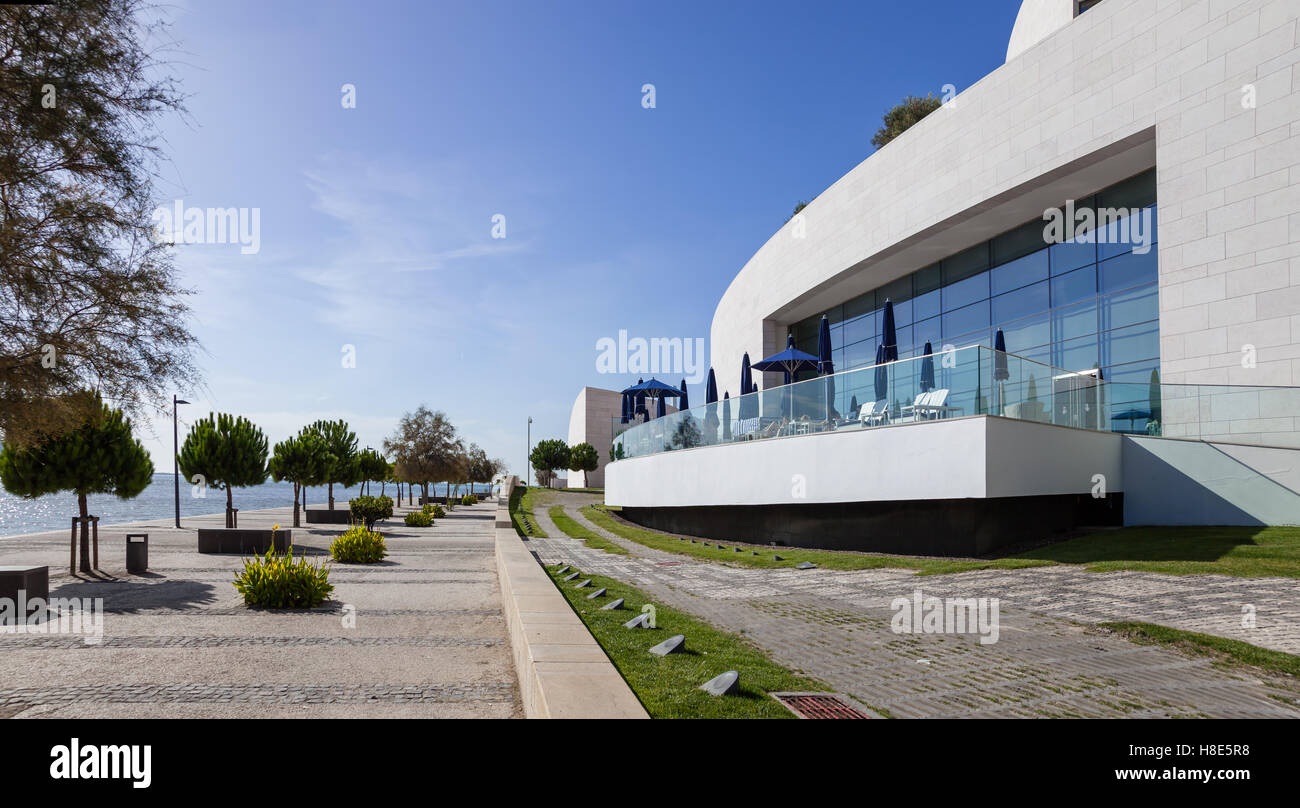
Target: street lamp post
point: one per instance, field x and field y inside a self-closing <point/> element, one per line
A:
<point x="528" y="474"/>
<point x="176" y="463"/>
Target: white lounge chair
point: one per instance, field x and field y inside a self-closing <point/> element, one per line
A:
<point x="917" y="410"/>
<point x="937" y="405"/>
<point x="874" y="413"/>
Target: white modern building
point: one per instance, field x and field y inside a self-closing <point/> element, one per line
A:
<point x="1151" y="372"/>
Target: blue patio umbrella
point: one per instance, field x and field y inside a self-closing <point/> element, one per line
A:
<point x="790" y="362"/>
<point x="683" y="403"/>
<point x="746" y="383"/>
<point x="710" y="406"/>
<point x="927" y="369"/>
<point x="1000" y="371"/>
<point x="636" y="399"/>
<point x="888" y="334"/>
<point x="654" y="389"/>
<point x="882" y="375"/>
<point x="825" y="366"/>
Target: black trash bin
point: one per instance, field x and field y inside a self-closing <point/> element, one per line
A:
<point x="137" y="552"/>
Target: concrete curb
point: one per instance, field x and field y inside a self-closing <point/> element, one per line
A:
<point x="563" y="671"/>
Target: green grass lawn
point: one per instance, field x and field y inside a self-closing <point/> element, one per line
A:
<point x="669" y="686"/>
<point x="522" y="502"/>
<point x="1220" y="649"/>
<point x="791" y="556"/>
<point x="1246" y="552"/>
<point x="576" y="531"/>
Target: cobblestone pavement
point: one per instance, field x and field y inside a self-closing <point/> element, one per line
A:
<point x="836" y="627"/>
<point x="419" y="635"/>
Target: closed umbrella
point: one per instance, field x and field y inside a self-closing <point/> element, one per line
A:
<point x="746" y="383"/>
<point x="682" y="402"/>
<point x="853" y="405"/>
<point x="710" y="406"/>
<point x="624" y="413"/>
<point x="825" y="366"/>
<point x="726" y="416"/>
<point x="1000" y="371"/>
<point x="927" y="369"/>
<point x="882" y="374"/>
<point x="888" y="334"/>
<point x="659" y="406"/>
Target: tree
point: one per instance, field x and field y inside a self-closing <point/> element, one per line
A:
<point x="583" y="457"/>
<point x="340" y="465"/>
<point x="99" y="457"/>
<point x="686" y="434"/>
<point x="425" y="448"/>
<point x="903" y="117"/>
<point x="547" y="456"/>
<point x="88" y="297"/>
<point x="371" y="465"/>
<point x="482" y="469"/>
<point x="227" y="452"/>
<point x="298" y="459"/>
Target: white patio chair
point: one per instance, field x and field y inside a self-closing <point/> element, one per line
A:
<point x="917" y="410"/>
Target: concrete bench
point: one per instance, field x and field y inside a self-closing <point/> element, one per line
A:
<point x="242" y="540"/>
<point x="325" y="516"/>
<point x="33" y="582"/>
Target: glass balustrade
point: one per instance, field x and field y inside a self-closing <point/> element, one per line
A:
<point x="973" y="380"/>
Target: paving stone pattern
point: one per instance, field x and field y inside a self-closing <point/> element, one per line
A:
<point x="836" y="626"/>
<point x="421" y="634"/>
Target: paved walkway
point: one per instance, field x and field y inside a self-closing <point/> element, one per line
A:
<point x="835" y="626"/>
<point x="428" y="638"/>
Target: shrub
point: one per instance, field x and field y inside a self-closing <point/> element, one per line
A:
<point x="434" y="510"/>
<point x="419" y="519"/>
<point x="279" y="581"/>
<point x="358" y="545"/>
<point x="370" y="509"/>
<point x="468" y="499"/>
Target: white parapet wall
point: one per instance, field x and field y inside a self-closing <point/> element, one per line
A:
<point x="962" y="458"/>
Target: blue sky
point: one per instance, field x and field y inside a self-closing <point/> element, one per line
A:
<point x="376" y="222"/>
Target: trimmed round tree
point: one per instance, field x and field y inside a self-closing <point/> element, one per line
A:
<point x="228" y="452"/>
<point x="371" y="465"/>
<point x="100" y="457"/>
<point x="299" y="460"/>
<point x="340" y="444"/>
<point x="547" y="456"/>
<point x="583" y="457"/>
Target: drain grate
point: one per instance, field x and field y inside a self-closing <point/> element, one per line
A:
<point x="818" y="705"/>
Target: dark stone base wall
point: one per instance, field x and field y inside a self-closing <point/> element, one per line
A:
<point x="324" y="516"/>
<point x="949" y="527"/>
<point x="240" y="540"/>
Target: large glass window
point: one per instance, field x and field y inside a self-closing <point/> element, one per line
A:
<point x="1080" y="304"/>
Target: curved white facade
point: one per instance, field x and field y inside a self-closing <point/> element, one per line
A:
<point x="1036" y="21"/>
<point x="1204" y="92"/>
